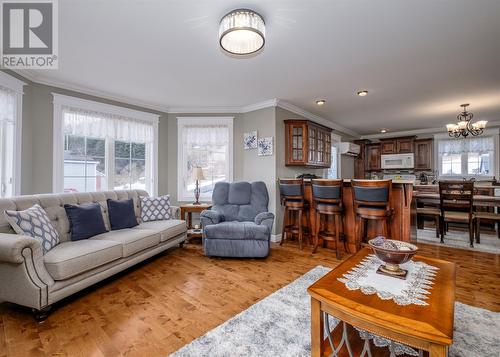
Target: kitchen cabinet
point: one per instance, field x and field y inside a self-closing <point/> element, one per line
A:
<point x="359" y="161"/>
<point x="373" y="157"/>
<point x="424" y="154"/>
<point x="307" y="144"/>
<point x="397" y="145"/>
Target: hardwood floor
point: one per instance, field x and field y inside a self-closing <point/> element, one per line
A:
<point x="164" y="303"/>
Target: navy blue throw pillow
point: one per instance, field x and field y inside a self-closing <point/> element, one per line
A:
<point x="85" y="221"/>
<point x="121" y="214"/>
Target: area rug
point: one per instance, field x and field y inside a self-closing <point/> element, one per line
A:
<point x="456" y="239"/>
<point x="279" y="325"/>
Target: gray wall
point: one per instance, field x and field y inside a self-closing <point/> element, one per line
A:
<point x="36" y="170"/>
<point x="38" y="109"/>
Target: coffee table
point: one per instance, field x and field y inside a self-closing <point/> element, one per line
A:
<point x="426" y="328"/>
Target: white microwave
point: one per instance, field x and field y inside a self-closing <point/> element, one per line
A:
<point x="397" y="161"/>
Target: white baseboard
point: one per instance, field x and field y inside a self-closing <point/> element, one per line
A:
<point x="276" y="238"/>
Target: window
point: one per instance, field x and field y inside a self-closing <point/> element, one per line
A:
<point x="205" y="143"/>
<point x="473" y="157"/>
<point x="11" y="94"/>
<point x="104" y="147"/>
<point x="334" y="171"/>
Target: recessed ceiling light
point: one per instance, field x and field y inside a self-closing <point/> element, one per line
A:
<point x="320" y="102"/>
<point x="363" y="93"/>
<point x="383" y="131"/>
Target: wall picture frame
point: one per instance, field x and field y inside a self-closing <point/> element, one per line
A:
<point x="250" y="140"/>
<point x="265" y="146"/>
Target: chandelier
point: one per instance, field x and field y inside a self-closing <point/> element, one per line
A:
<point x="464" y="127"/>
<point x="242" y="32"/>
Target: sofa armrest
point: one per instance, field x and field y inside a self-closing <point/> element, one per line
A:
<point x="22" y="265"/>
<point x="12" y="245"/>
<point x="265" y="218"/>
<point x="208" y="217"/>
<point x="175" y="212"/>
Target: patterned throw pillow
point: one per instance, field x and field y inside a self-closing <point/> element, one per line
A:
<point x="35" y="223"/>
<point x="155" y="208"/>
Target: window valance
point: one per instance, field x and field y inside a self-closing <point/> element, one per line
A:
<point x="477" y="145"/>
<point x="103" y="125"/>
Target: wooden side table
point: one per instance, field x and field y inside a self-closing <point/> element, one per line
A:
<point x="428" y="328"/>
<point x="189" y="209"/>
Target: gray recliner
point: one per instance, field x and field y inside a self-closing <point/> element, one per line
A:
<point x="238" y="225"/>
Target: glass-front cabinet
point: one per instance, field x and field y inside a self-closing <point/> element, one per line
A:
<point x="307" y="144"/>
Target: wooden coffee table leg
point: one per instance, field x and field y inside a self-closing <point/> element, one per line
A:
<point x="316" y="328"/>
<point x="438" y="351"/>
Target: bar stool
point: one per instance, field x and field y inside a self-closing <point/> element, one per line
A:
<point x="371" y="202"/>
<point x="292" y="198"/>
<point x="327" y="196"/>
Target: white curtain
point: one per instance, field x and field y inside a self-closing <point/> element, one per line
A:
<point x="480" y="145"/>
<point x="204" y="135"/>
<point x="102" y="125"/>
<point x="7" y="132"/>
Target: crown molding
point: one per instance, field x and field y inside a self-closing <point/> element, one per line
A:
<point x="11" y="82"/>
<point x="294" y="109"/>
<point x="274" y="102"/>
<point x="260" y="105"/>
<point x="92" y="92"/>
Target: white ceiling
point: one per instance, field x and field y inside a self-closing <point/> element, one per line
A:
<point x="419" y="59"/>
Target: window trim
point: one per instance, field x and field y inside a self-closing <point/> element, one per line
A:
<point x="16" y="85"/>
<point x="494" y="133"/>
<point x="182" y="121"/>
<point x="60" y="101"/>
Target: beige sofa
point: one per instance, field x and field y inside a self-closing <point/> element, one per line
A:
<point x="29" y="278"/>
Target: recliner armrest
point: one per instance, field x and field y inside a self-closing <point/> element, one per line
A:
<point x="208" y="217"/>
<point x="12" y="245"/>
<point x="263" y="216"/>
<point x="267" y="219"/>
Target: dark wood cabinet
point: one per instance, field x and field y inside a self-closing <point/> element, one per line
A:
<point x="307" y="144"/>
<point x="359" y="161"/>
<point x="424" y="154"/>
<point x="373" y="157"/>
<point x="397" y="145"/>
<point x="388" y="147"/>
<point x="404" y="146"/>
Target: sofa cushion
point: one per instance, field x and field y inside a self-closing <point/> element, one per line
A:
<point x="85" y="220"/>
<point x="239" y="193"/>
<point x="132" y="240"/>
<point x="121" y="214"/>
<point x="236" y="230"/>
<point x="155" y="208"/>
<point x="35" y="223"/>
<point x="72" y="258"/>
<point x="168" y="229"/>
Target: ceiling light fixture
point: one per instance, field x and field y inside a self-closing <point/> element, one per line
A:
<point x="320" y="102"/>
<point x="383" y="131"/>
<point x="363" y="93"/>
<point x="464" y="127"/>
<point x="242" y="32"/>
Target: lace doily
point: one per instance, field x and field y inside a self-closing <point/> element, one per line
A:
<point x="413" y="290"/>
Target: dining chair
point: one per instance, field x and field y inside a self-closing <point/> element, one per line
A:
<point x="456" y="200"/>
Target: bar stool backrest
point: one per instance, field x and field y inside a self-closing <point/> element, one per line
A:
<point x="291" y="189"/>
<point x="456" y="196"/>
<point x="371" y="193"/>
<point x="327" y="191"/>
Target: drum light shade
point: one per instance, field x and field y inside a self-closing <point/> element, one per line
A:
<point x="242" y="32"/>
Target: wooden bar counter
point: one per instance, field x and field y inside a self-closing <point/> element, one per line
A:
<point x="403" y="222"/>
